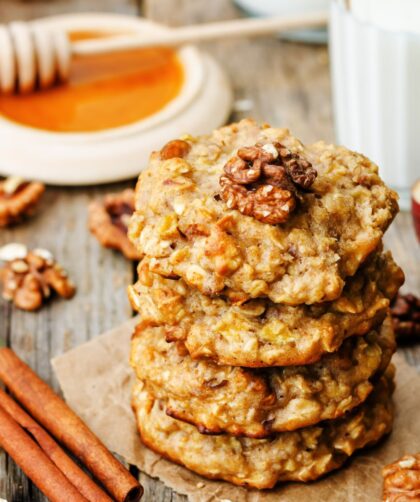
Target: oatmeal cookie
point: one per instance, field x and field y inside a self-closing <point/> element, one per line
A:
<point x="301" y="455"/>
<point x="257" y="403"/>
<point x="185" y="226"/>
<point x="260" y="333"/>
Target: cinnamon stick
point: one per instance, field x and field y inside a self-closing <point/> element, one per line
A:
<point x="52" y="412"/>
<point x="34" y="463"/>
<point x="77" y="477"/>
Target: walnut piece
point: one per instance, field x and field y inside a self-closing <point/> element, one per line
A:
<point x="402" y="479"/>
<point x="176" y="148"/>
<point x="108" y="221"/>
<point x="30" y="279"/>
<point x="405" y="310"/>
<point x="265" y="181"/>
<point x="18" y="199"/>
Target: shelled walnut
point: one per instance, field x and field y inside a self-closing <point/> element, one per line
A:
<point x="405" y="311"/>
<point x="266" y="181"/>
<point x="30" y="277"/>
<point x="18" y="199"/>
<point x="402" y="479"/>
<point x="108" y="221"/>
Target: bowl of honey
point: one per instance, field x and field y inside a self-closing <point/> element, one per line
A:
<point x="102" y="124"/>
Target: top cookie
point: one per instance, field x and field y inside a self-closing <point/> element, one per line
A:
<point x="325" y="215"/>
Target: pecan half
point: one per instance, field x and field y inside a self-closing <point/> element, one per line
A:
<point x="18" y="199"/>
<point x="239" y="171"/>
<point x="176" y="148"/>
<point x="402" y="479"/>
<point x="29" y="278"/>
<point x="265" y="181"/>
<point x="108" y="221"/>
<point x="405" y="310"/>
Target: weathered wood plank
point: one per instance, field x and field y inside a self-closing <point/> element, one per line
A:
<point x="101" y="275"/>
<point x="401" y="239"/>
<point x="11" y="10"/>
<point x="100" y="303"/>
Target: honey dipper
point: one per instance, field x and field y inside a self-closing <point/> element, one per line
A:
<point x="33" y="56"/>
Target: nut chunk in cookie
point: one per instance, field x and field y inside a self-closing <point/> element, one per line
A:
<point x="108" y="221"/>
<point x="29" y="277"/>
<point x="402" y="479"/>
<point x="265" y="181"/>
<point x="18" y="199"/>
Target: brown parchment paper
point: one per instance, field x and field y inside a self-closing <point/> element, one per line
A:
<point x="96" y="381"/>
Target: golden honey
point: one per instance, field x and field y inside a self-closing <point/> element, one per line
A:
<point x="103" y="92"/>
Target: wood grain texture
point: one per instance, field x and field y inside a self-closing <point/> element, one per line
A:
<point x="282" y="83"/>
<point x="11" y="10"/>
<point x="60" y="225"/>
<point x="101" y="277"/>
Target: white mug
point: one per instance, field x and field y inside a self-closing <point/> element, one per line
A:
<point x="375" y="62"/>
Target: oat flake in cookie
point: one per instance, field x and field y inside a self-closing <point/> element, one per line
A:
<point x="183" y="222"/>
<point x="302" y="455"/>
<point x="258" y="403"/>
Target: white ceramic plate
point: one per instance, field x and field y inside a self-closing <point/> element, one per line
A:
<point x="114" y="154"/>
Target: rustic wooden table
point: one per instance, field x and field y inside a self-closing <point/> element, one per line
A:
<point x="277" y="82"/>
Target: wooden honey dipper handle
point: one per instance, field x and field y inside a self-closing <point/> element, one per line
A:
<point x="31" y="55"/>
<point x="200" y="33"/>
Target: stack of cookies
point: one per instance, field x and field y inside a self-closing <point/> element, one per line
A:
<point x="263" y="350"/>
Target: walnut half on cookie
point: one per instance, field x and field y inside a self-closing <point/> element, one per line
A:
<point x="29" y="277"/>
<point x="108" y="222"/>
<point x="402" y="479"/>
<point x="265" y="180"/>
<point x="18" y="199"/>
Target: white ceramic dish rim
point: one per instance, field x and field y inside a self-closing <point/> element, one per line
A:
<point x="189" y="56"/>
<point x="93" y="162"/>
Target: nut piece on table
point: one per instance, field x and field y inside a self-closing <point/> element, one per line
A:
<point x="402" y="479"/>
<point x="266" y="181"/>
<point x="18" y="199"/>
<point x="405" y="311"/>
<point x="29" y="277"/>
<point x="108" y="221"/>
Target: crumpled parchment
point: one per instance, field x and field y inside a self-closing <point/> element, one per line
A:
<point x="96" y="380"/>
